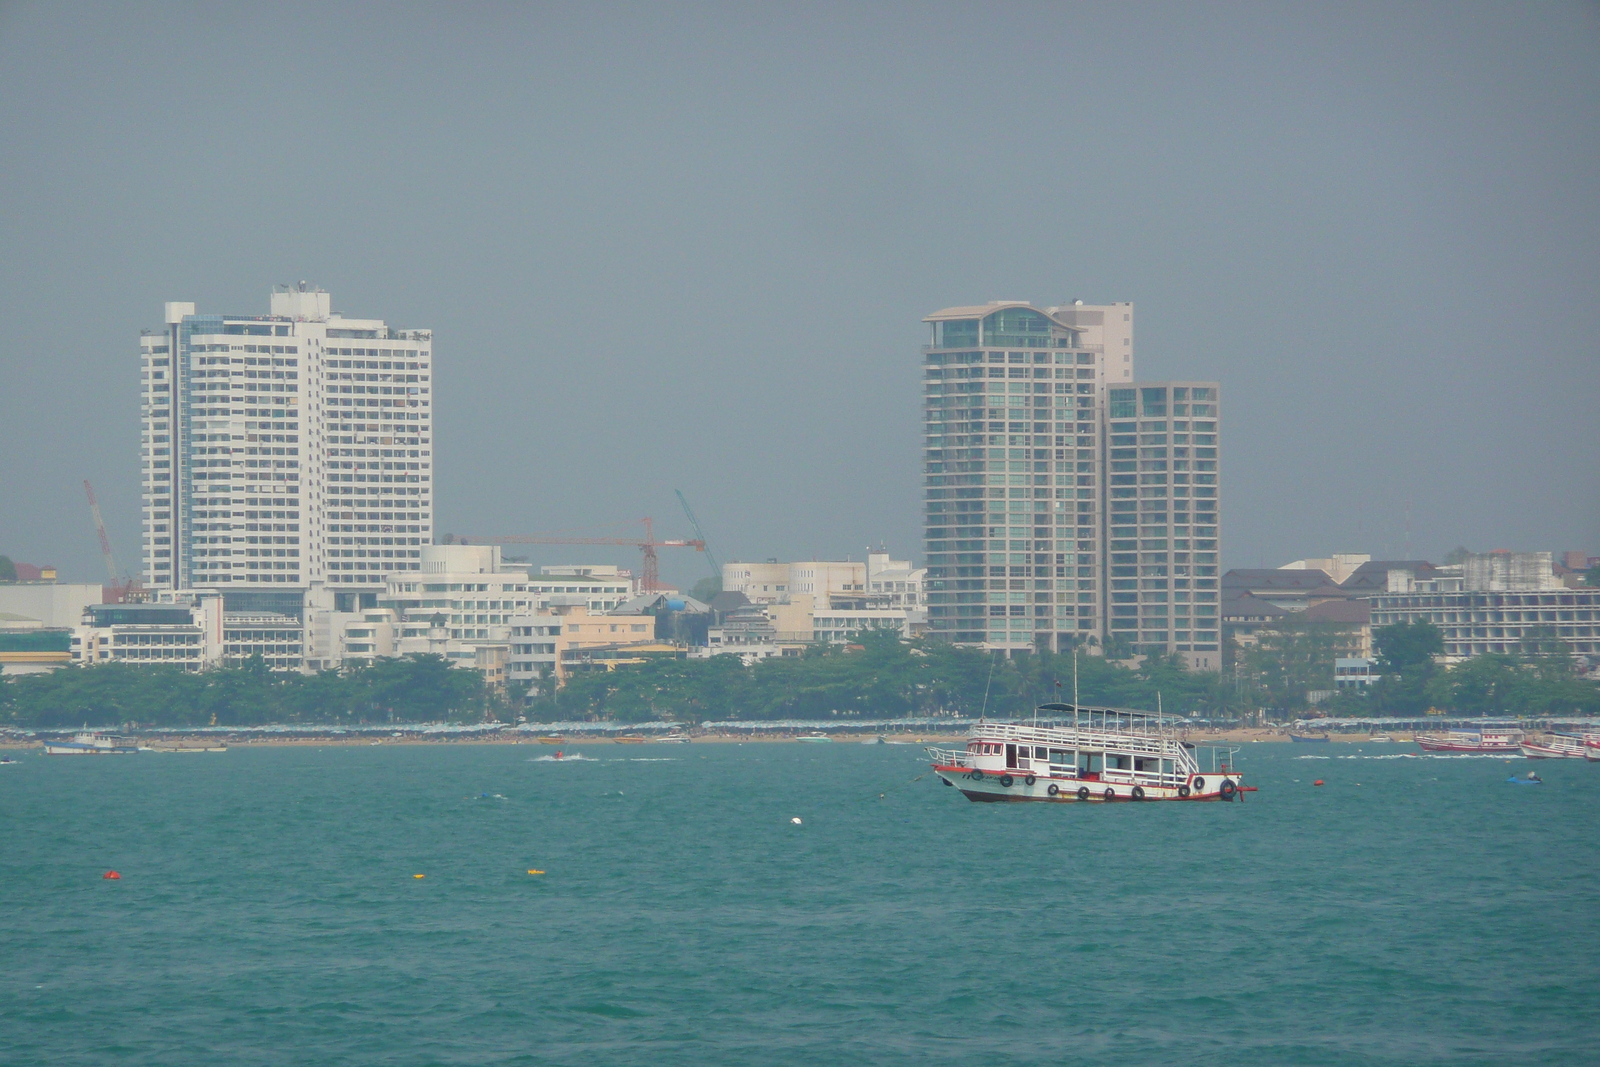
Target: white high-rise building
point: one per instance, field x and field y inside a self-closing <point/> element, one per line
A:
<point x="285" y="451"/>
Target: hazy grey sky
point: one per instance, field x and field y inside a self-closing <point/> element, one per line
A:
<point x="690" y="246"/>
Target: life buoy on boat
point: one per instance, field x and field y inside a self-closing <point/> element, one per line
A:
<point x="1228" y="789"/>
<point x="1053" y="789"/>
<point x="1029" y="780"/>
<point x="1138" y="792"/>
<point x="1083" y="792"/>
<point x="1183" y="791"/>
<point x="1109" y="794"/>
<point x="1199" y="785"/>
<point x="1006" y="780"/>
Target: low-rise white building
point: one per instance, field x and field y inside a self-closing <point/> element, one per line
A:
<point x="179" y="629"/>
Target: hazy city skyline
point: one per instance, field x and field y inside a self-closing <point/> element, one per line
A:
<point x="693" y="250"/>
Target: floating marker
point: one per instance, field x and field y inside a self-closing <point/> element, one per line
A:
<point x="419" y="876"/>
<point x="795" y="820"/>
<point x="1317" y="782"/>
<point x="532" y="871"/>
<point x="111" y="875"/>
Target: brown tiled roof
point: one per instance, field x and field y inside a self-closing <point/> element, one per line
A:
<point x="1347" y="611"/>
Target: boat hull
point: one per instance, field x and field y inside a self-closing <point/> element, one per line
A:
<point x="1537" y="751"/>
<point x="987" y="787"/>
<point x="1433" y="744"/>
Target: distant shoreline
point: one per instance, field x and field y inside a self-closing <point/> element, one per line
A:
<point x="177" y="739"/>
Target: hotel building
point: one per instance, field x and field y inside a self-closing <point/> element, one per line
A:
<point x="285" y="451"/>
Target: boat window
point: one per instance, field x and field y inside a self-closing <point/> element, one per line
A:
<point x="1060" y="756"/>
<point x="1041" y="753"/>
<point x="1117" y="763"/>
<point x="1142" y="763"/>
<point x="1091" y="762"/>
<point x="1011" y="755"/>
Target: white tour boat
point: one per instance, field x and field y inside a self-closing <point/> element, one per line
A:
<point x="91" y="744"/>
<point x="1558" y="746"/>
<point x="1104" y="755"/>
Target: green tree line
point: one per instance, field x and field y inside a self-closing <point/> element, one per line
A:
<point x="877" y="677"/>
<point x="418" y="688"/>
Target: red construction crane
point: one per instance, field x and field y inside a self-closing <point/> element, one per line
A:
<point x="649" y="580"/>
<point x="122" y="586"/>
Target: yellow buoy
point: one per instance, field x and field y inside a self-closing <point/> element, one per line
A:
<point x="419" y="876"/>
<point x="532" y="871"/>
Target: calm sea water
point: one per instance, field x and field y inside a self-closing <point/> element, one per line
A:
<point x="1411" y="911"/>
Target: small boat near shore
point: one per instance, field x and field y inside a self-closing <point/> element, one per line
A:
<point x="630" y="739"/>
<point x="1556" y="747"/>
<point x="822" y="738"/>
<point x="1487" y="742"/>
<point x="552" y="740"/>
<point x="1309" y="738"/>
<point x="1106" y="755"/>
<point x="89" y="743"/>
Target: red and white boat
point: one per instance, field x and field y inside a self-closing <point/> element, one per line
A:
<point x="1481" y="741"/>
<point x="1558" y="746"/>
<point x="1104" y="755"/>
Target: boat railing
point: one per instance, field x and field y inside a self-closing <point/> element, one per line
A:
<point x="948" y="757"/>
<point x="1079" y="736"/>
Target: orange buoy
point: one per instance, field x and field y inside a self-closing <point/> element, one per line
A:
<point x="113" y="875"/>
<point x="1317" y="782"/>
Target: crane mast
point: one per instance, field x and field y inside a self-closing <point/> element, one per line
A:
<point x="716" y="571"/>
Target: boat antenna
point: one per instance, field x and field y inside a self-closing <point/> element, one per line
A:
<point x="985" y="710"/>
<point x="1074" y="685"/>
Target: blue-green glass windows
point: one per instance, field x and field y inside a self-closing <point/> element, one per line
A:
<point x="958" y="333"/>
<point x="1155" y="401"/>
<point x="1020" y="327"/>
<point x="1123" y="403"/>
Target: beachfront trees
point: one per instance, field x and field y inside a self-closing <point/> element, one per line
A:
<point x="1410" y="675"/>
<point x="409" y="689"/>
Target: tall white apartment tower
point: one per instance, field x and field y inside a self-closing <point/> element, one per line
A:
<point x="285" y="451"/>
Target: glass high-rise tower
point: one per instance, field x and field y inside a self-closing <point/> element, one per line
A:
<point x="1021" y="482"/>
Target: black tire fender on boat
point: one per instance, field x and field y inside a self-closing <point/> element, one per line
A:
<point x="1006" y="780"/>
<point x="1199" y="785"/>
<point x="1029" y="780"/>
<point x="1183" y="791"/>
<point x="1228" y="789"/>
<point x="1083" y="792"/>
<point x="976" y="776"/>
<point x="1138" y="792"/>
<point x="1053" y="789"/>
<point x="1109" y="794"/>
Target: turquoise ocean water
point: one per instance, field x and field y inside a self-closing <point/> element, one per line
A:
<point x="1411" y="911"/>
